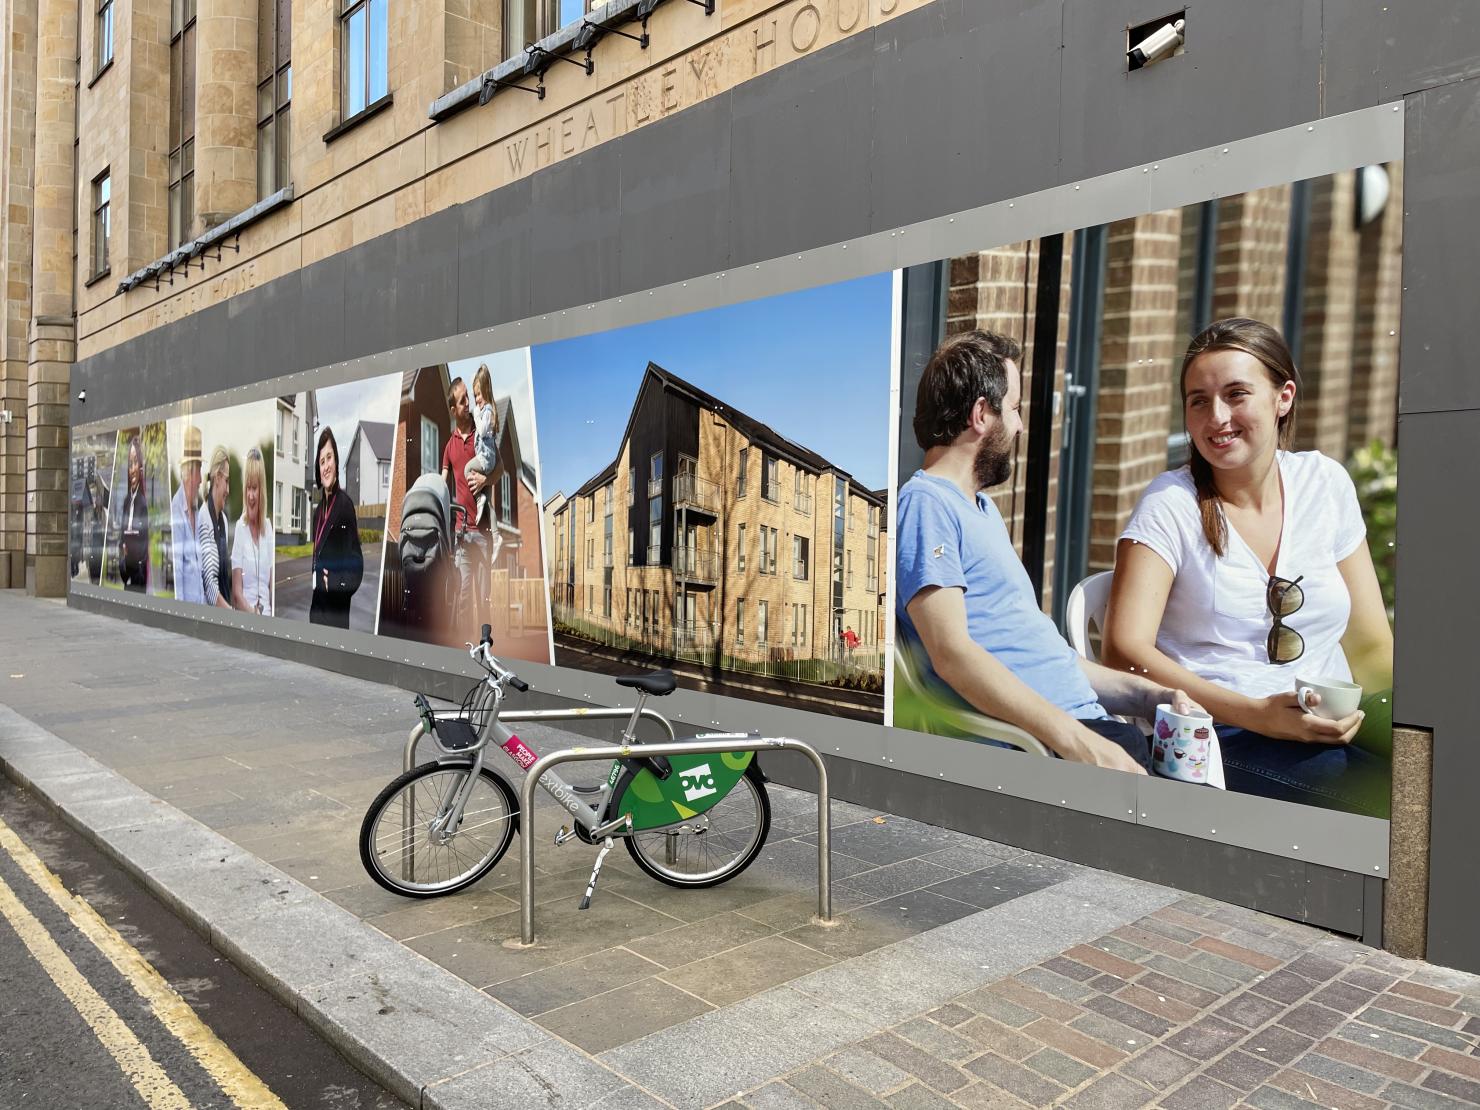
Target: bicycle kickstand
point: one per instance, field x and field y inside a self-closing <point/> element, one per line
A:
<point x="595" y="873"/>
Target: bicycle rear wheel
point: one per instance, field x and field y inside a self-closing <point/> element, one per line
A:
<point x="400" y="842"/>
<point x="713" y="847"/>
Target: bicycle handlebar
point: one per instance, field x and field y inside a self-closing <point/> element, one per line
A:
<point x="481" y="653"/>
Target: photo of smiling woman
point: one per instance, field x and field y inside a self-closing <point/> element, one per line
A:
<point x="338" y="563"/>
<point x="252" y="547"/>
<point x="1244" y="577"/>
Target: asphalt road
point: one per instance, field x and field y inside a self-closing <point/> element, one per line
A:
<point x="295" y="590"/>
<point x="108" y="1000"/>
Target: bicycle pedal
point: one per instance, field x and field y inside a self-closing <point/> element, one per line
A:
<point x="565" y="833"/>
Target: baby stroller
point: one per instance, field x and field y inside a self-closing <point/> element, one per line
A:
<point x="428" y="577"/>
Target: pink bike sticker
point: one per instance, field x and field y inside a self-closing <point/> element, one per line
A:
<point x="520" y="753"/>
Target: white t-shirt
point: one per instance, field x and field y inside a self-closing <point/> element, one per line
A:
<point x="254" y="560"/>
<point x="1217" y="621"/>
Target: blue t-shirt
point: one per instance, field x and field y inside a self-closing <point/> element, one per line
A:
<point x="944" y="540"/>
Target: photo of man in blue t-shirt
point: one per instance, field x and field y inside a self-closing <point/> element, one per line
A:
<point x="965" y="605"/>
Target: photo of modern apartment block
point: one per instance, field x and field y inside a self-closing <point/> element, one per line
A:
<point x="716" y="545"/>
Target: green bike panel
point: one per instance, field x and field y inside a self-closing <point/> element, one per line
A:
<point x="696" y="784"/>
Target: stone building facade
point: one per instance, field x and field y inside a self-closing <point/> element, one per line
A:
<point x="712" y="538"/>
<point x="255" y="116"/>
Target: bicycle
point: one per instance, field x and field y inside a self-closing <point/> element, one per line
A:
<point x="688" y="820"/>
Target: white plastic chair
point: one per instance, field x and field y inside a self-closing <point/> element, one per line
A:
<point x="1087" y="604"/>
<point x="908" y="680"/>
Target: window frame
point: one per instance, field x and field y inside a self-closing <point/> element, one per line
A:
<point x="274" y="115"/>
<point x="101" y="223"/>
<point x="103" y="45"/>
<point x="180" y="161"/>
<point x="371" y="97"/>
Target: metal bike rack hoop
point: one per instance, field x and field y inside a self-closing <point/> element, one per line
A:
<point x="683" y="747"/>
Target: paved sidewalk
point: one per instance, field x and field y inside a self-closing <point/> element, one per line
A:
<point x="964" y="973"/>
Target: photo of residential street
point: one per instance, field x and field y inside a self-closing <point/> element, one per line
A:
<point x="718" y="503"/>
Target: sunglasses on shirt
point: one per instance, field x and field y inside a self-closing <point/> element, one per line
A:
<point x="1284" y="598"/>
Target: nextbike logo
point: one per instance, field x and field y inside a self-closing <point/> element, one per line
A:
<point x="697" y="782"/>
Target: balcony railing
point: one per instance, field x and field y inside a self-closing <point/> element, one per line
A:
<point x="801" y="501"/>
<point x="697" y="564"/>
<point x="655" y="487"/>
<point x="695" y="492"/>
<point x="873" y="584"/>
<point x="606" y="559"/>
<point x="655" y="555"/>
<point x="771" y="491"/>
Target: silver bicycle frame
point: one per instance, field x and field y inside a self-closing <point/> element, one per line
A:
<point x="495" y="729"/>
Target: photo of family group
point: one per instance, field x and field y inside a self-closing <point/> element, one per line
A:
<point x="1146" y="494"/>
<point x="463" y="539"/>
<point x="136" y="542"/>
<point x="220" y="510"/>
<point x="333" y="449"/>
<point x="701" y="517"/>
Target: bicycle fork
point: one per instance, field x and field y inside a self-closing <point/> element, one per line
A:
<point x="447" y="822"/>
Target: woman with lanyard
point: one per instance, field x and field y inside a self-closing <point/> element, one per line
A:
<point x="254" y="545"/>
<point x="338" y="564"/>
<point x="133" y="539"/>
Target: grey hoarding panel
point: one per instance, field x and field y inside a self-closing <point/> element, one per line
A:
<point x="1352" y="45"/>
<point x="1438" y="612"/>
<point x="426" y="285"/>
<point x="800" y="158"/>
<point x="675" y="197"/>
<point x="370" y="317"/>
<point x="943" y="77"/>
<point x="262" y="330"/>
<point x="1250" y="67"/>
<point x="494" y="257"/>
<point x="575" y="233"/>
<point x="322" y="289"/>
<point x="1441" y="250"/>
<point x="1426" y="43"/>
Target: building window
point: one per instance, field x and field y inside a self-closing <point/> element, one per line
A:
<point x="528" y="21"/>
<point x="182" y="122"/>
<point x="274" y="92"/>
<point x="740" y="621"/>
<point x="591" y="509"/>
<point x="591" y="553"/>
<point x="277" y="504"/>
<point x="631" y="483"/>
<point x="740" y="547"/>
<point x="101" y="189"/>
<point x="800" y="556"/>
<point x="850" y="570"/>
<point x="431" y="450"/>
<point x="655" y="531"/>
<point x="104" y="52"/>
<point x="384" y="474"/>
<point x="631" y="547"/>
<point x="363" y="51"/>
<point x="506" y="498"/>
<point x="655" y="474"/>
<point x="740" y="480"/>
<point x="769" y="489"/>
<point x="770" y="567"/>
<point x="760" y="621"/>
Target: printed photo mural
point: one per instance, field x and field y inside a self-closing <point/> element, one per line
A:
<point x="333" y="450"/>
<point x="463" y="539"/>
<point x="220" y="513"/>
<point x="92" y="478"/>
<point x="717" y="496"/>
<point x="136" y="551"/>
<point x="1146" y="494"/>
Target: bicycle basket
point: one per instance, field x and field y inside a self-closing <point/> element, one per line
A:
<point x="455" y="735"/>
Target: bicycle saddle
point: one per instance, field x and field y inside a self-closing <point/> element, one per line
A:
<point x="656" y="683"/>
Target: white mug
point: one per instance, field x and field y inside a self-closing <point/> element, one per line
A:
<point x="1338" y="699"/>
<point x="1181" y="745"/>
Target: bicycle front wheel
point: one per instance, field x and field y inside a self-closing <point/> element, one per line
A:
<point x="716" y="845"/>
<point x="405" y="847"/>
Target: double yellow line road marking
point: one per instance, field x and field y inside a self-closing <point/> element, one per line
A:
<point x="149" y="1079"/>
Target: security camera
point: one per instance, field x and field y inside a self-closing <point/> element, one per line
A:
<point x="82" y="396"/>
<point x="1158" y="44"/>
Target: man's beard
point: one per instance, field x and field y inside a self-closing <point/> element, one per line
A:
<point x="993" y="463"/>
